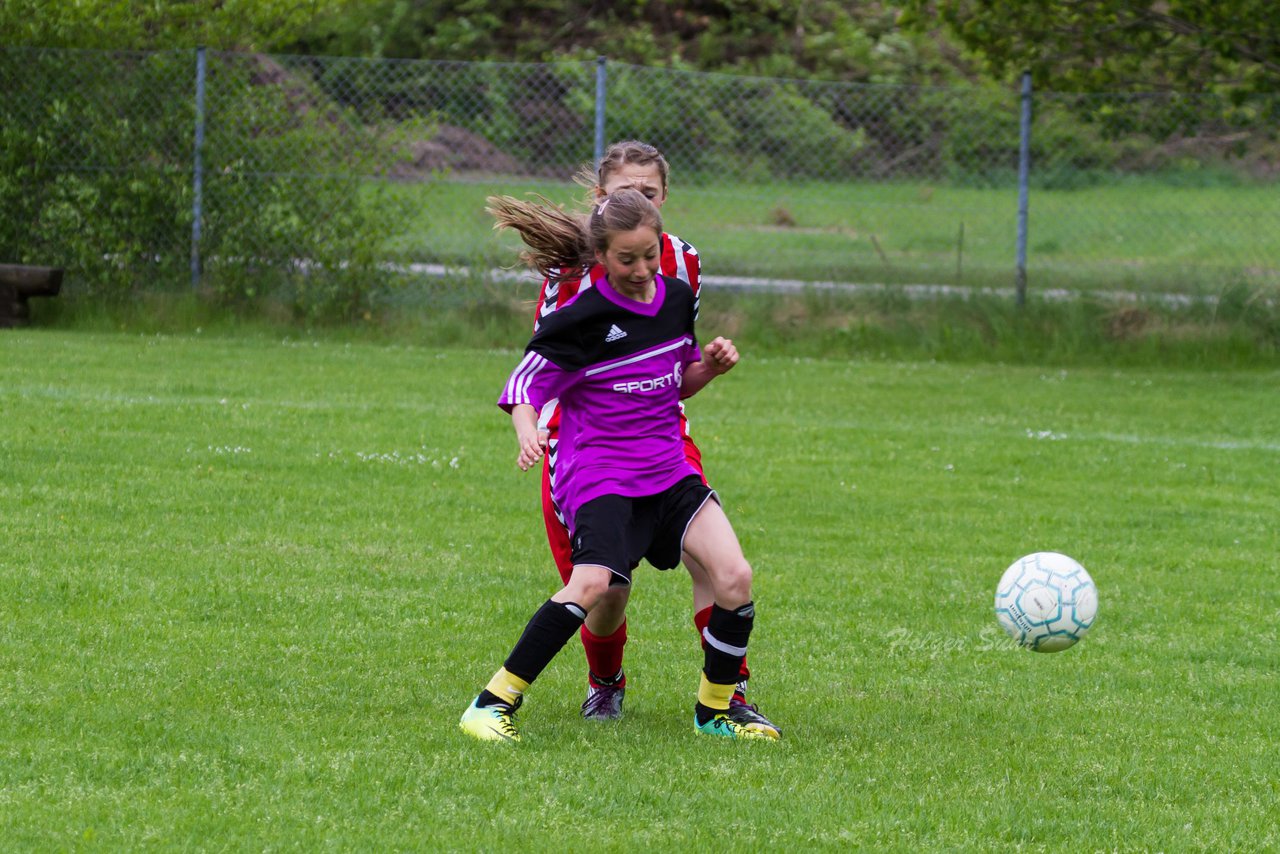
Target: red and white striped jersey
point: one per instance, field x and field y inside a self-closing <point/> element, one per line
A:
<point x="679" y="260"/>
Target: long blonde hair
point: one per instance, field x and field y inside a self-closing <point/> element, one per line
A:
<point x="561" y="244"/>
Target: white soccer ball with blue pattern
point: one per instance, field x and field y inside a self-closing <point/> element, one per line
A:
<point x="1046" y="601"/>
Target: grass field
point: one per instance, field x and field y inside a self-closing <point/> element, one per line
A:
<point x="1139" y="235"/>
<point x="250" y="582"/>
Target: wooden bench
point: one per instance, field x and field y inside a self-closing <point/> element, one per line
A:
<point x="18" y="283"/>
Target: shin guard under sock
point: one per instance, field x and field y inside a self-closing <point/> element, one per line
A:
<point x="700" y="620"/>
<point x="725" y="642"/>
<point x="545" y="635"/>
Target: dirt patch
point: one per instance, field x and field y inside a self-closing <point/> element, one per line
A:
<point x="1127" y="323"/>
<point x="446" y="148"/>
<point x="452" y="149"/>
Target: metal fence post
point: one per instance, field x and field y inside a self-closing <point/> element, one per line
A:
<point x="1024" y="173"/>
<point x="197" y="179"/>
<point x="600" y="80"/>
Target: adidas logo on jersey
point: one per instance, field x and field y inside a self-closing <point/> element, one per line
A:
<point x="614" y="334"/>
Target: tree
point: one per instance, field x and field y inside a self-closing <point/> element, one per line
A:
<point x="142" y="25"/>
<point x="1227" y="46"/>
<point x="96" y="150"/>
<point x="824" y="39"/>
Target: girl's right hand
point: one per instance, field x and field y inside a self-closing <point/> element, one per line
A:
<point x="531" y="450"/>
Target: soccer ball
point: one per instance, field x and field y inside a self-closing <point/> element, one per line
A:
<point x="1046" y="601"/>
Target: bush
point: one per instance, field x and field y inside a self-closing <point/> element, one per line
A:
<point x="87" y="180"/>
<point x="97" y="152"/>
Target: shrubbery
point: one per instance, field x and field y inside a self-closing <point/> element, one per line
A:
<point x="96" y="175"/>
<point x="87" y="179"/>
<point x="97" y="152"/>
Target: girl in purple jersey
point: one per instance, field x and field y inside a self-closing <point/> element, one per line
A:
<point x="619" y="357"/>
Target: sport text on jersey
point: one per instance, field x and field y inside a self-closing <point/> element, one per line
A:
<point x="671" y="378"/>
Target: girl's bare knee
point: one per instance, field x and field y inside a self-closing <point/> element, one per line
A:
<point x="615" y="595"/>
<point x="592" y="593"/>
<point x="735" y="584"/>
<point x="612" y="603"/>
<point x="585" y="588"/>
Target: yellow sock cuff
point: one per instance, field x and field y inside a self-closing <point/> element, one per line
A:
<point x="508" y="686"/>
<point x="711" y="695"/>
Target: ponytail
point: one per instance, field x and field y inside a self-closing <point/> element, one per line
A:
<point x="559" y="244"/>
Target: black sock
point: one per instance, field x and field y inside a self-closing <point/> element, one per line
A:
<point x="726" y="638"/>
<point x="606" y="682"/>
<point x="488" y="698"/>
<point x="545" y="635"/>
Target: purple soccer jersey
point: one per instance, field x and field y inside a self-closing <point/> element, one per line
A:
<point x="616" y="365"/>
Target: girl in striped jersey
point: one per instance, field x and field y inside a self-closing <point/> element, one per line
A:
<point x="638" y="166"/>
<point x="620" y="355"/>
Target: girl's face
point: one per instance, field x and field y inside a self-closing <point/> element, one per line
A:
<point x="645" y="179"/>
<point x="632" y="259"/>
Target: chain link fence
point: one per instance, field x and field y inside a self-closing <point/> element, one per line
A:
<point x="334" y="178"/>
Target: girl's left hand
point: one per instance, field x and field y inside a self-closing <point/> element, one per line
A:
<point x="720" y="355"/>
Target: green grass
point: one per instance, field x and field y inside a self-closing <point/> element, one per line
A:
<point x="1238" y="330"/>
<point x="1136" y="234"/>
<point x="249" y="582"/>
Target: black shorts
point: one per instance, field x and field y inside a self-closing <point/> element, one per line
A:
<point x="615" y="532"/>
